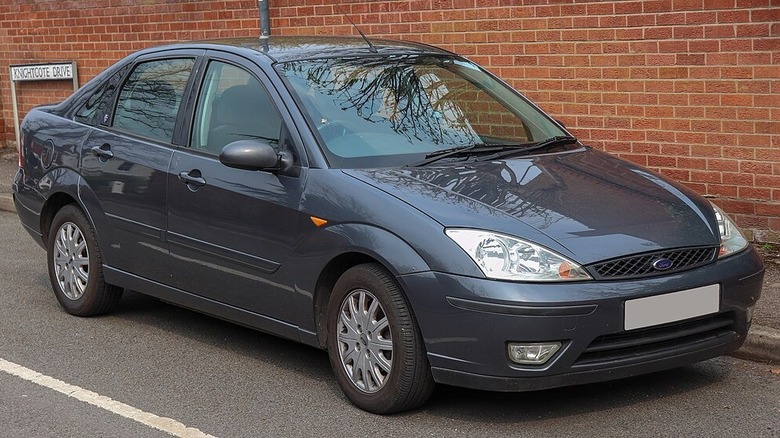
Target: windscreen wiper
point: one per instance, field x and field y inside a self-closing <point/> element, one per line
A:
<point x="466" y="150"/>
<point x="558" y="140"/>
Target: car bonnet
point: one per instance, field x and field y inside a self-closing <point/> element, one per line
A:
<point x="585" y="204"/>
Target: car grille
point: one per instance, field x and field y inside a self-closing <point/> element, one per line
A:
<point x="660" y="340"/>
<point x="642" y="265"/>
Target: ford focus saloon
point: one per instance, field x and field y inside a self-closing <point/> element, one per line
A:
<point x="391" y="203"/>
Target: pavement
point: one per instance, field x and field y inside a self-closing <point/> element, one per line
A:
<point x="8" y="166"/>
<point x="763" y="341"/>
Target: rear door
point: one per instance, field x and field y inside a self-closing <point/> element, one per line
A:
<point x="126" y="159"/>
<point x="231" y="230"/>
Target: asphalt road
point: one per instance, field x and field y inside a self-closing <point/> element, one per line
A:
<point x="229" y="381"/>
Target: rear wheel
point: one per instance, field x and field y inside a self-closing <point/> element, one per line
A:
<point x="75" y="266"/>
<point x="374" y="344"/>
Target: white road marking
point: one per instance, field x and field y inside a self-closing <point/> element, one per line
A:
<point x="164" y="424"/>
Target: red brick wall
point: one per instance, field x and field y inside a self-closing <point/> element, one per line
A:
<point x="97" y="33"/>
<point x="690" y="88"/>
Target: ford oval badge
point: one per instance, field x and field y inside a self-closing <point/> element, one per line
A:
<point x="662" y="264"/>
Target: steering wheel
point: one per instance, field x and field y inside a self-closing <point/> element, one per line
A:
<point x="331" y="129"/>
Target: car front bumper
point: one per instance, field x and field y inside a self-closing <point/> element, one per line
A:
<point x="468" y="322"/>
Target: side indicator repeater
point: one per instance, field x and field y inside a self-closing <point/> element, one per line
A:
<point x="318" y="221"/>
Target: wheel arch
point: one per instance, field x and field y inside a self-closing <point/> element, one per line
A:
<point x="53" y="204"/>
<point x="74" y="190"/>
<point x="361" y="244"/>
<point x="327" y="279"/>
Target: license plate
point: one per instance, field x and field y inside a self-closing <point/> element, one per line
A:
<point x="671" y="307"/>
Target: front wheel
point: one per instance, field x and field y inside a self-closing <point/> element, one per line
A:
<point x="75" y="266"/>
<point x="374" y="344"/>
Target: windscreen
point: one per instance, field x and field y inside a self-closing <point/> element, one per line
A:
<point x="394" y="110"/>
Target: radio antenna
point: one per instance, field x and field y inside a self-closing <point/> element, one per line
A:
<point x="371" y="47"/>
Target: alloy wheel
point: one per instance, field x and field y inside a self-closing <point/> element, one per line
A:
<point x="71" y="261"/>
<point x="365" y="341"/>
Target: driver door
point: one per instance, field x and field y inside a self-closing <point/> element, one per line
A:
<point x="230" y="230"/>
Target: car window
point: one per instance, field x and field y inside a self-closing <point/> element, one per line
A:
<point x="150" y="98"/>
<point x="389" y="111"/>
<point x="97" y="108"/>
<point x="233" y="105"/>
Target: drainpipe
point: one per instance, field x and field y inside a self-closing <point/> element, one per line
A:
<point x="265" y="19"/>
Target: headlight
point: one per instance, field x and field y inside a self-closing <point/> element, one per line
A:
<point x="731" y="239"/>
<point x="509" y="258"/>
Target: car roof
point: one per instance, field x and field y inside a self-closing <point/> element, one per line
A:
<point x="293" y="48"/>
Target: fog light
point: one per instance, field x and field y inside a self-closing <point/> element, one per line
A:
<point x="533" y="354"/>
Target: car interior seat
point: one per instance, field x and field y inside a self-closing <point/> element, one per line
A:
<point x="244" y="112"/>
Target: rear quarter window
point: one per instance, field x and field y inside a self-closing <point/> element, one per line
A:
<point x="97" y="109"/>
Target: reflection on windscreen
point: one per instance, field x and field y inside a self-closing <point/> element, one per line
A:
<point x="402" y="107"/>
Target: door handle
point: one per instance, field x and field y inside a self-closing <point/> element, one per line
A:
<point x="193" y="179"/>
<point x="103" y="152"/>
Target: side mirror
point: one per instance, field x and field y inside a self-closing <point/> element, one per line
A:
<point x="254" y="154"/>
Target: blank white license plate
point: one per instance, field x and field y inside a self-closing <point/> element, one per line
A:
<point x="671" y="307"/>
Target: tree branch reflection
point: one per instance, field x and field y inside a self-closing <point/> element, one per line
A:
<point x="399" y="94"/>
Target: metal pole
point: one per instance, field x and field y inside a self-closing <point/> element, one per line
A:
<point x="265" y="19"/>
<point x="15" y="109"/>
<point x="75" y="76"/>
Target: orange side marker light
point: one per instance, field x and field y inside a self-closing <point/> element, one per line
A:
<point x="318" y="221"/>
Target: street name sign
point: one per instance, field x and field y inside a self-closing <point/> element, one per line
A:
<point x="42" y="72"/>
<point x="39" y="72"/>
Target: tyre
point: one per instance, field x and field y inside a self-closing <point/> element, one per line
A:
<point x="374" y="344"/>
<point x="75" y="266"/>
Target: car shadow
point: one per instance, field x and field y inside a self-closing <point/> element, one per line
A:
<point x="447" y="401"/>
<point x="491" y="407"/>
<point x="221" y="334"/>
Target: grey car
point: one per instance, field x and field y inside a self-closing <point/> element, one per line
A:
<point x="392" y="203"/>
